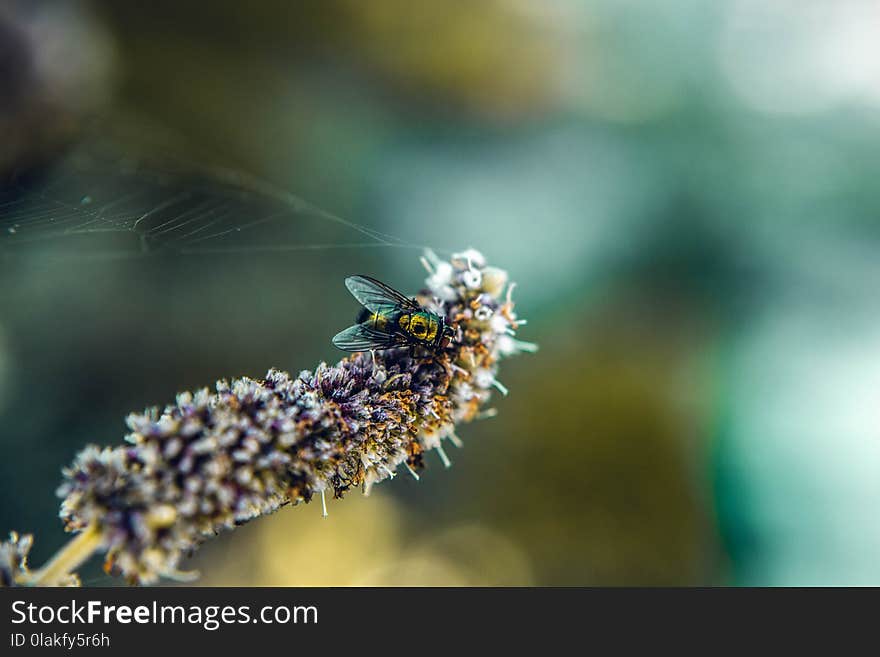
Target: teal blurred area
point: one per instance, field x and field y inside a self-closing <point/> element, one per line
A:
<point x="685" y="193"/>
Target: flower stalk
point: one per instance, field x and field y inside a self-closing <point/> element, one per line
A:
<point x="66" y="561"/>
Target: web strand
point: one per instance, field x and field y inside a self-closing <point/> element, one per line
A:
<point x="95" y="206"/>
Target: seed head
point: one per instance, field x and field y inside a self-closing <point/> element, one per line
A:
<point x="216" y="459"/>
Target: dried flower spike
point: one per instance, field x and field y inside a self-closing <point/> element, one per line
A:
<point x="213" y="460"/>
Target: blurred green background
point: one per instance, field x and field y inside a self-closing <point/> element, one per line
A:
<point x="686" y="193"/>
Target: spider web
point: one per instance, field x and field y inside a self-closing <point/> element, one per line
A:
<point x="97" y="203"/>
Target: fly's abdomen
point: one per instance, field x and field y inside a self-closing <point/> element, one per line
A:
<point x="383" y="320"/>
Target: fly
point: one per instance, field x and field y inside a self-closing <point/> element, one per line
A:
<point x="389" y="319"/>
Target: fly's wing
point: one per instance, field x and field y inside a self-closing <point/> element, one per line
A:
<point x="376" y="296"/>
<point x="363" y="337"/>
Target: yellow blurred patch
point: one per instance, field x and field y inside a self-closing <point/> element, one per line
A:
<point x="362" y="543"/>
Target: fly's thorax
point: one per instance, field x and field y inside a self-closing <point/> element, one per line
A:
<point x="421" y="326"/>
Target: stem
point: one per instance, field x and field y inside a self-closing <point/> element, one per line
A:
<point x="68" y="559"/>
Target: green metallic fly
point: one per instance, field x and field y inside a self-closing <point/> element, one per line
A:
<point x="389" y="319"/>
